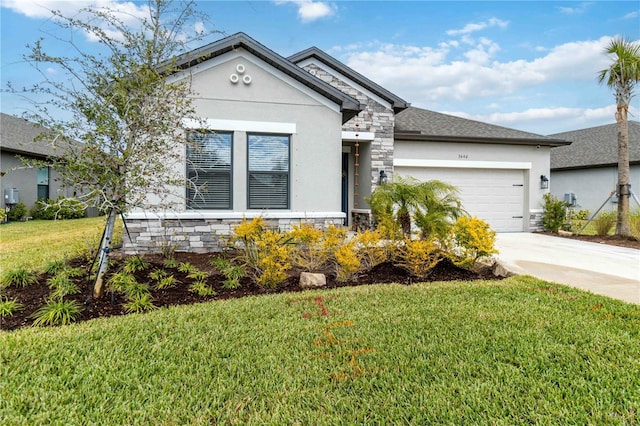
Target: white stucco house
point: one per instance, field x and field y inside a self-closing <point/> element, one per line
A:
<point x="585" y="173"/>
<point x="306" y="138"/>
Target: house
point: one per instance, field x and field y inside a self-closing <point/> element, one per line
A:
<point x="306" y="138"/>
<point x="585" y="173"/>
<point x="19" y="183"/>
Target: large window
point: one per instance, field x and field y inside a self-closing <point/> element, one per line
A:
<point x="268" y="171"/>
<point x="209" y="170"/>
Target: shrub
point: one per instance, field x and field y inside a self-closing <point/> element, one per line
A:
<point x="125" y="283"/>
<point x="347" y="262"/>
<point x="418" y="257"/>
<point x="308" y="251"/>
<point x="198" y="275"/>
<point x="554" y="213"/>
<point x="186" y="267"/>
<point x="62" y="285"/>
<point x="167" y="282"/>
<point x="20" y="277"/>
<point x="134" y="264"/>
<point x="603" y="223"/>
<point x="55" y="266"/>
<point x="634" y="224"/>
<point x="17" y="212"/>
<point x="61" y="208"/>
<point x="201" y="288"/>
<point x="3" y="215"/>
<point x="139" y="303"/>
<point x="264" y="253"/>
<point x="9" y="307"/>
<point x="231" y="272"/>
<point x="372" y="250"/>
<point x="474" y="239"/>
<point x="580" y="214"/>
<point x="57" y="312"/>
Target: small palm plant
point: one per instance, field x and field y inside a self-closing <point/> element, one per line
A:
<point x="434" y="205"/>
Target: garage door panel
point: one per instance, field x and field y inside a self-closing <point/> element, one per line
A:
<point x="494" y="195"/>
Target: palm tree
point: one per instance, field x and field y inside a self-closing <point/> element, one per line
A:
<point x="621" y="76"/>
<point x="430" y="203"/>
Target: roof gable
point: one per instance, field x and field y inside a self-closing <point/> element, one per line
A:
<point x="595" y="147"/>
<point x="421" y="124"/>
<point x="348" y="106"/>
<point x="398" y="104"/>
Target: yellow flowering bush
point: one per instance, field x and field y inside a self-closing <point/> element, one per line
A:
<point x="264" y="253"/>
<point x="372" y="250"/>
<point x="418" y="257"/>
<point x="473" y="239"/>
<point x="308" y="251"/>
<point x="347" y="262"/>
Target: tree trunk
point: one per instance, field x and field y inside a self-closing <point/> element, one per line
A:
<point x="105" y="247"/>
<point x="623" y="189"/>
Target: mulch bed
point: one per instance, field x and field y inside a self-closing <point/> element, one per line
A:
<point x="33" y="297"/>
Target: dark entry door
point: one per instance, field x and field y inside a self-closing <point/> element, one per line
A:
<point x="345" y="186"/>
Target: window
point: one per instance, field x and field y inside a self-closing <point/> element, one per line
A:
<point x="209" y="170"/>
<point x="42" y="177"/>
<point x="268" y="171"/>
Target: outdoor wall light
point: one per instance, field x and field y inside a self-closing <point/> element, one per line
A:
<point x="544" y="182"/>
<point x="383" y="178"/>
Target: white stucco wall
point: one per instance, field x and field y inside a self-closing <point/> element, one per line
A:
<point x="593" y="186"/>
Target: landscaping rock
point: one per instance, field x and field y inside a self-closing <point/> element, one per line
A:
<point x="311" y="280"/>
<point x="501" y="271"/>
<point x="564" y="233"/>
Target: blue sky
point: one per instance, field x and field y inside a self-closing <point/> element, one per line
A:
<point x="526" y="65"/>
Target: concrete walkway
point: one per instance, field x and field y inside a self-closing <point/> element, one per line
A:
<point x="599" y="268"/>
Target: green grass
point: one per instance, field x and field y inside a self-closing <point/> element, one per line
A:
<point x="518" y="351"/>
<point x="36" y="243"/>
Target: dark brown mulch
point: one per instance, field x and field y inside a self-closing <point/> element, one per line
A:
<point x="34" y="296"/>
<point x="613" y="240"/>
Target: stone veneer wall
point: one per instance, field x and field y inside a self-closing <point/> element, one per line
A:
<point x="197" y="235"/>
<point x="535" y="220"/>
<point x="375" y="118"/>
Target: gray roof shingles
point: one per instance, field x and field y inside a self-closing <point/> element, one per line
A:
<point x="430" y="125"/>
<point x="17" y="135"/>
<point x="594" y="147"/>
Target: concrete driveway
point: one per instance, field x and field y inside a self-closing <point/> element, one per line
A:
<point x="599" y="268"/>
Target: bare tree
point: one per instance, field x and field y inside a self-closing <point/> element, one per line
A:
<point x="622" y="76"/>
<point x="122" y="117"/>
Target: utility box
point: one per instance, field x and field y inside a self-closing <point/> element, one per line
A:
<point x="11" y="196"/>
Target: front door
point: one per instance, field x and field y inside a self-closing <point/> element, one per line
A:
<point x="345" y="186"/>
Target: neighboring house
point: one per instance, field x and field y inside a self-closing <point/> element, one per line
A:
<point x="17" y="139"/>
<point x="587" y="170"/>
<point x="307" y="138"/>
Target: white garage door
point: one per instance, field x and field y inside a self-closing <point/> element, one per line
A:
<point x="494" y="195"/>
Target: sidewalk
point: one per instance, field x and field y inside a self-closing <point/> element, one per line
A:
<point x="599" y="268"/>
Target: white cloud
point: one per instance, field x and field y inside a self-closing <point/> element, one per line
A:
<point x="581" y="8"/>
<point x="429" y="74"/>
<point x="127" y="11"/>
<point x="199" y="27"/>
<point x="310" y="10"/>
<point x="467" y="77"/>
<point x="477" y="26"/>
<point x="631" y="15"/>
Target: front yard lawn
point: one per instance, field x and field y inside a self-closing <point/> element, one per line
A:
<point x="516" y="351"/>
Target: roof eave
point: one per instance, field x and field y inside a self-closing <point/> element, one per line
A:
<point x="416" y="136"/>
